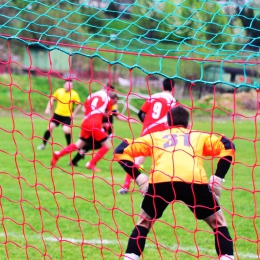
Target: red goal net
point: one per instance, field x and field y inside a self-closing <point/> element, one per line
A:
<point x="68" y="209"/>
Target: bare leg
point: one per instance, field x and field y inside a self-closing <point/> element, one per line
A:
<point x="68" y="149"/>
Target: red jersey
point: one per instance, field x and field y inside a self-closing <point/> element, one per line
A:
<point x="96" y="105"/>
<point x="156" y="109"/>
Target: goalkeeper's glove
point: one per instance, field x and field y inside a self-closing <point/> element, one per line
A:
<point x="142" y="181"/>
<point x="215" y="184"/>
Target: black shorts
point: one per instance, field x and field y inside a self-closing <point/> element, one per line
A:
<point x="64" y="120"/>
<point x="108" y="124"/>
<point x="91" y="144"/>
<point x="198" y="197"/>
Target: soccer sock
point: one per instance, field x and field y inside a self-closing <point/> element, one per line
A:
<point x="136" y="242"/>
<point x="77" y="158"/>
<point x="223" y="241"/>
<point x="226" y="257"/>
<point x="100" y="154"/>
<point x="46" y="136"/>
<point x="127" y="182"/>
<point x="130" y="168"/>
<point x="68" y="138"/>
<point x="69" y="149"/>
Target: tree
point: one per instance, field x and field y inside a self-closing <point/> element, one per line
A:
<point x="216" y="28"/>
<point x="112" y="10"/>
<point x="252" y="24"/>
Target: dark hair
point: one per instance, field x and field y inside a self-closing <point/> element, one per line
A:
<point x="178" y="116"/>
<point x="168" y="84"/>
<point x="114" y="96"/>
<point x="110" y="86"/>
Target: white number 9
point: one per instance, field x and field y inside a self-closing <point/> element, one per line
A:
<point x="157" y="107"/>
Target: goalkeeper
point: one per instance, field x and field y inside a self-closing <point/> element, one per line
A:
<point x="177" y="173"/>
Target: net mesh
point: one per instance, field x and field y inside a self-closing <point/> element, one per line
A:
<point x="211" y="49"/>
<point x="186" y="29"/>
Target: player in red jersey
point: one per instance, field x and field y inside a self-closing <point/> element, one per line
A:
<point x="153" y="115"/>
<point x="96" y="106"/>
<point x="91" y="144"/>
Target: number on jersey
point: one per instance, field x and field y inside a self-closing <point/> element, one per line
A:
<point x="157" y="108"/>
<point x="94" y="103"/>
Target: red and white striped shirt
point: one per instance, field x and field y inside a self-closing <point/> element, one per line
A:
<point x="96" y="105"/>
<point x="156" y="109"/>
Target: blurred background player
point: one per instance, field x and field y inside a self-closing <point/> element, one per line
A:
<point x="96" y="106"/>
<point x="153" y="115"/>
<point x="107" y="126"/>
<point x="177" y="173"/>
<point x="66" y="98"/>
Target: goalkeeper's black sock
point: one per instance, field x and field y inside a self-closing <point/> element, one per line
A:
<point x="46" y="136"/>
<point x="130" y="168"/>
<point x="68" y="138"/>
<point x="223" y="241"/>
<point x="77" y="158"/>
<point x="136" y="242"/>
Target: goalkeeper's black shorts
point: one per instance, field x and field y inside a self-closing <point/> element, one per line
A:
<point x="198" y="197"/>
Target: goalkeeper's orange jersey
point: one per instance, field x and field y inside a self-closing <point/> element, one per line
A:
<point x="178" y="154"/>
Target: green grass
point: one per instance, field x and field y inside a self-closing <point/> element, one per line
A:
<point x="31" y="94"/>
<point x="47" y="213"/>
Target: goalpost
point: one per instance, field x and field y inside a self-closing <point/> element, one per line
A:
<point x="211" y="50"/>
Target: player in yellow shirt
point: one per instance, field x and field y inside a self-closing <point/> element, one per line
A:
<point x="177" y="173"/>
<point x="66" y="99"/>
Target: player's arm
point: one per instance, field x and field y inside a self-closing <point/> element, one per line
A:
<point x="49" y="106"/>
<point x="76" y="110"/>
<point x="141" y="115"/>
<point x="126" y="119"/>
<point x="77" y="102"/>
<point x="143" y="110"/>
<point x="85" y="105"/>
<point x="140" y="147"/>
<point x="121" y="117"/>
<point x="225" y="149"/>
<point x="108" y="110"/>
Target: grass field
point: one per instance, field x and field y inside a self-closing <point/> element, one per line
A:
<point x="65" y="213"/>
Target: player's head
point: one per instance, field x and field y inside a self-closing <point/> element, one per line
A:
<point x="109" y="88"/>
<point x="168" y="85"/>
<point x="114" y="97"/>
<point x="68" y="84"/>
<point x="178" y="116"/>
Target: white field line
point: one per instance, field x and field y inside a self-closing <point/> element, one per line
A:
<point x="114" y="242"/>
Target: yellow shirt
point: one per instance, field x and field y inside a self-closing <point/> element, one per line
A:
<point x="65" y="101"/>
<point x="178" y="154"/>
